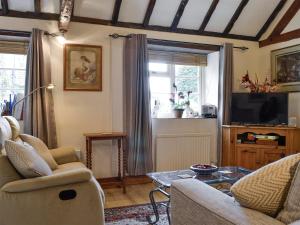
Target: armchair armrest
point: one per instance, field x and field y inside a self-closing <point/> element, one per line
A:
<point x="59" y="179"/>
<point x="64" y="155"/>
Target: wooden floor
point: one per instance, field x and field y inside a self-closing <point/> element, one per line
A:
<point x="136" y="194"/>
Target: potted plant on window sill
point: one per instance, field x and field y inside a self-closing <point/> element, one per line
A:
<point x="178" y="102"/>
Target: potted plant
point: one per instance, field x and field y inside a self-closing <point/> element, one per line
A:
<point x="178" y="102"/>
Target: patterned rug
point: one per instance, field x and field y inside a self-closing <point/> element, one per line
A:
<point x="134" y="215"/>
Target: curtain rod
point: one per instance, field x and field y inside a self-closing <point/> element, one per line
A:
<point x="115" y="36"/>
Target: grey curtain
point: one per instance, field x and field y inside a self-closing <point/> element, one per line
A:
<point x="137" y="113"/>
<point x="224" y="92"/>
<point x="39" y="117"/>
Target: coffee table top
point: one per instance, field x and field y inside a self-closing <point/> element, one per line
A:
<point x="224" y="174"/>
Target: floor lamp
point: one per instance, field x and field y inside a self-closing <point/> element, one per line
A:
<point x="49" y="87"/>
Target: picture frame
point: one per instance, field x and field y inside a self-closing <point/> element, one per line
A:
<point x="286" y="68"/>
<point x="82" y="67"/>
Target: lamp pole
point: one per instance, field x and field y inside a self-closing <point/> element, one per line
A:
<point x="49" y="86"/>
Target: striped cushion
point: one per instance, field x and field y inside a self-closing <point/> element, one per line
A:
<point x="291" y="211"/>
<point x="26" y="161"/>
<point x="41" y="149"/>
<point x="265" y="190"/>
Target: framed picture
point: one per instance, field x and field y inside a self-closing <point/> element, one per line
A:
<point x="286" y="68"/>
<point x="82" y="67"/>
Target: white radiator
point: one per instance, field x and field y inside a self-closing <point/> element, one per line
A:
<point x="180" y="151"/>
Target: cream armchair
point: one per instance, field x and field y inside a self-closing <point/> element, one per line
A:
<point x="71" y="196"/>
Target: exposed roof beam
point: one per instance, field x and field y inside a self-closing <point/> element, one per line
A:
<point x="149" y="12"/>
<point x="66" y="9"/>
<point x="52" y="16"/>
<point x="271" y="19"/>
<point x="208" y="15"/>
<point x="280" y="38"/>
<point x="285" y="20"/>
<point x="235" y="16"/>
<point x="4" y="6"/>
<point x="116" y="12"/>
<point x="179" y="13"/>
<point x="37" y="6"/>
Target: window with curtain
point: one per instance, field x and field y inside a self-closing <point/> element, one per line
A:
<point x="12" y="72"/>
<point x="185" y="70"/>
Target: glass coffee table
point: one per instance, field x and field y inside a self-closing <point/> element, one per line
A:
<point x="221" y="180"/>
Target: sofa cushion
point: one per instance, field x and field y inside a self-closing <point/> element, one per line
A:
<point x="291" y="210"/>
<point x="7" y="171"/>
<point x="41" y="149"/>
<point x="14" y="125"/>
<point x="265" y="190"/>
<point x="26" y="161"/>
<point x="5" y="132"/>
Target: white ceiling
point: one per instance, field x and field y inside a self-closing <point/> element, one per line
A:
<point x="251" y="20"/>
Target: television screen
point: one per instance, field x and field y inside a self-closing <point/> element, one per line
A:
<point x="259" y="108"/>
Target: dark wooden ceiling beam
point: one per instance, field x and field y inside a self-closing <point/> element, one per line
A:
<point x="37" y="6"/>
<point x="178" y="14"/>
<point x="235" y="16"/>
<point x="271" y="19"/>
<point x="52" y="16"/>
<point x="286" y="19"/>
<point x="149" y="12"/>
<point x="280" y="38"/>
<point x="4" y="5"/>
<point x="66" y="9"/>
<point x="208" y="15"/>
<point x="116" y="11"/>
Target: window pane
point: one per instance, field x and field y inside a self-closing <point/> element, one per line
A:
<point x="160" y="84"/>
<point x="187" y="84"/>
<point x="158" y="67"/>
<point x="6" y="60"/>
<point x="186" y="71"/>
<point x="12" y="75"/>
<point x="20" y="61"/>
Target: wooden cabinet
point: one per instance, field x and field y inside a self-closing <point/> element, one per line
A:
<point x="253" y="156"/>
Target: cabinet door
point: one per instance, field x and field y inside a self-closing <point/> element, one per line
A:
<point x="249" y="158"/>
<point x="272" y="155"/>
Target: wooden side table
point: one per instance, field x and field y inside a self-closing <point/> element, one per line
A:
<point x="121" y="138"/>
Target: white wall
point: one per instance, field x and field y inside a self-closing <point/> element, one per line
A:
<point x="79" y="112"/>
<point x="212" y="79"/>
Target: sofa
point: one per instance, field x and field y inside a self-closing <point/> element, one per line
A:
<point x="70" y="196"/>
<point x="194" y="202"/>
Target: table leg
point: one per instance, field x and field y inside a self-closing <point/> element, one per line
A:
<point x="154" y="205"/>
<point x="124" y="156"/>
<point x="119" y="158"/>
<point x="87" y="152"/>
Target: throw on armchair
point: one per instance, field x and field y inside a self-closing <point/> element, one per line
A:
<point x="70" y="196"/>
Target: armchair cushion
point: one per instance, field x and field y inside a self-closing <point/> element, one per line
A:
<point x="64" y="155"/>
<point x="26" y="161"/>
<point x="5" y="132"/>
<point x="14" y="125"/>
<point x="41" y="149"/>
<point x="64" y="178"/>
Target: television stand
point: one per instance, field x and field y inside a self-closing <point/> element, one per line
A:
<point x="254" y="146"/>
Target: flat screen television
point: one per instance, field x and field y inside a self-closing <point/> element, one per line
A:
<point x="259" y="108"/>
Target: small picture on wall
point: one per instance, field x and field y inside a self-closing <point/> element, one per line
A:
<point x="82" y="67"/>
<point x="286" y="68"/>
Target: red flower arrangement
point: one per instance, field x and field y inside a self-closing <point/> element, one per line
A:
<point x="255" y="87"/>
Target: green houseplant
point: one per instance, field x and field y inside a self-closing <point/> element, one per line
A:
<point x="179" y="101"/>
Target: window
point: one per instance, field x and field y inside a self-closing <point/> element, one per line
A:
<point x="12" y="75"/>
<point x="186" y="71"/>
